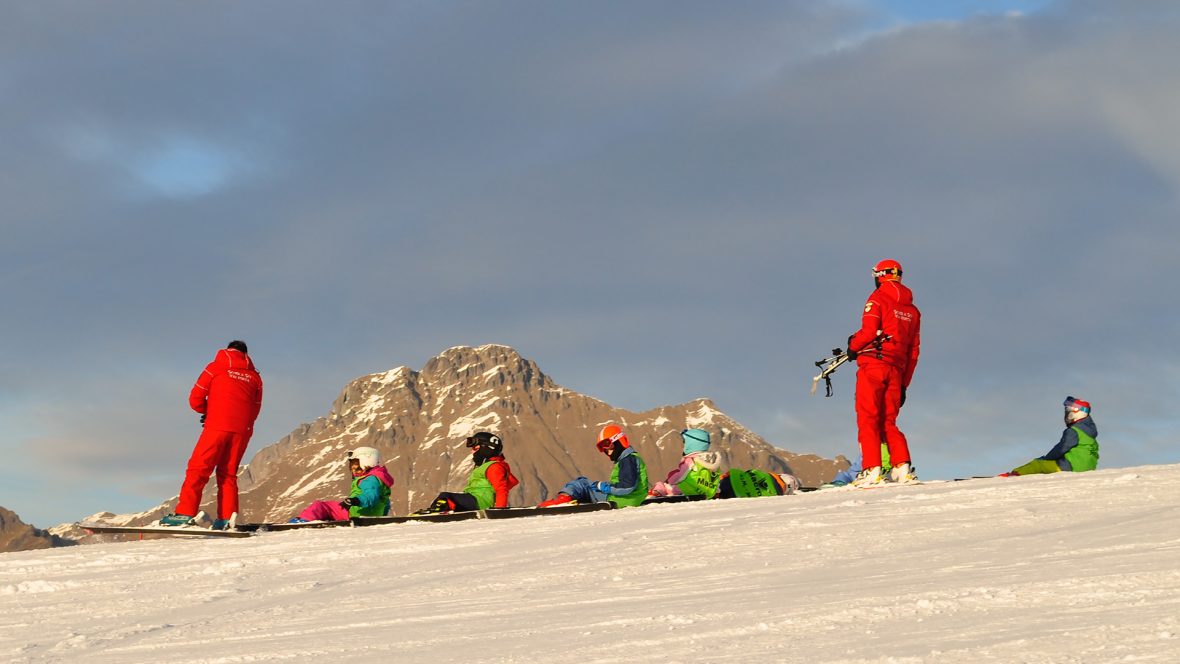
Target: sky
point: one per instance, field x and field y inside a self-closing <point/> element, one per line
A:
<point x="1061" y="568"/>
<point x="655" y="202"/>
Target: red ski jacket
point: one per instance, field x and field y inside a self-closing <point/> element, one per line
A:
<point x="228" y="393"/>
<point x="890" y="310"/>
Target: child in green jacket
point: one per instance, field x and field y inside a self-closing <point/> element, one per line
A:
<point x="489" y="482"/>
<point x="1077" y="450"/>
<point x="698" y="472"/>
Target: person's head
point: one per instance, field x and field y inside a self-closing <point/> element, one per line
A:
<point x="612" y="441"/>
<point x="485" y="445"/>
<point x="886" y="270"/>
<point x="362" y="459"/>
<point x="695" y="440"/>
<point x="1076" y="409"/>
<point x="237" y="345"/>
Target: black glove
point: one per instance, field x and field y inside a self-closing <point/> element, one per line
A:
<point x="851" y="354"/>
<point x="351" y="501"/>
<point x="902" y="398"/>
<point x="202" y="420"/>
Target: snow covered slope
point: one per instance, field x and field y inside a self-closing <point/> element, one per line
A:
<point x="1066" y="568"/>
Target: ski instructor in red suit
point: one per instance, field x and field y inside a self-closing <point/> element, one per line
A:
<point x="884" y="370"/>
<point x="228" y="395"/>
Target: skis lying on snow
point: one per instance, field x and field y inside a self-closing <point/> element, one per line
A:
<point x="438" y="517"/>
<point x="298" y="525"/>
<point x="156" y="529"/>
<point x="518" y="512"/>
<point x="659" y="500"/>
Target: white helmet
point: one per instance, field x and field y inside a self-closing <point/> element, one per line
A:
<point x="369" y="457"/>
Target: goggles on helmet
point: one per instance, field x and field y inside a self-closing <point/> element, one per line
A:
<point x="606" y="444"/>
<point x="472" y="441"/>
<point x="1075" y="404"/>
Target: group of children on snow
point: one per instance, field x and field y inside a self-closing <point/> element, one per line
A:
<point x="698" y="474"/>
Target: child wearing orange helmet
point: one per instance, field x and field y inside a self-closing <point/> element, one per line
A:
<point x="627" y="485"/>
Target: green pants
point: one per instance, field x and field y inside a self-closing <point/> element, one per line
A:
<point x="1037" y="466"/>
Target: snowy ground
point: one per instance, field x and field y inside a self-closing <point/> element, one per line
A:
<point x="1066" y="568"/>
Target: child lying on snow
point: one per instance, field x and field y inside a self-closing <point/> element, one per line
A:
<point x="738" y="483"/>
<point x="369" y="495"/>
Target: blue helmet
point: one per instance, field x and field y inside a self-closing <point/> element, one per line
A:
<point x="695" y="440"/>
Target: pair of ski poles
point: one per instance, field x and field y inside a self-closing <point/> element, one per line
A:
<point x="828" y="365"/>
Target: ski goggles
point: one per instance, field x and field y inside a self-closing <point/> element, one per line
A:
<point x="1072" y="403"/>
<point x="472" y="441"/>
<point x="605" y="444"/>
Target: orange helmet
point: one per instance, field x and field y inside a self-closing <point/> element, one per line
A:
<point x="886" y="270"/>
<point x="609" y="435"/>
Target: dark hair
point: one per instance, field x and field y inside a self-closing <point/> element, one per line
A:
<point x="237" y="345"/>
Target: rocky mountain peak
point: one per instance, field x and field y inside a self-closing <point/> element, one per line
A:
<point x="16" y="535"/>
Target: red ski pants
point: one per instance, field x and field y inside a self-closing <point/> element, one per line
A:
<point x="878" y="400"/>
<point x="220" y="450"/>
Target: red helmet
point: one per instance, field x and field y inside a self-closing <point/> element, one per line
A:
<point x="1076" y="409"/>
<point x="886" y="270"/>
<point x="609" y="435"/>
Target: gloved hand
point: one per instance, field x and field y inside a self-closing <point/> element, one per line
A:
<point x="851" y="354"/>
<point x="351" y="501"/>
<point x="902" y="398"/>
<point x="202" y="420"/>
<point x="602" y="487"/>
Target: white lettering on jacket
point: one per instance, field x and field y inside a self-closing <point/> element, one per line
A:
<point x="238" y="375"/>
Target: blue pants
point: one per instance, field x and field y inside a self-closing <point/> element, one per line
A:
<point x="582" y="490"/>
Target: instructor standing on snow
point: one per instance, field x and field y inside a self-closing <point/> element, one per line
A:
<point x="884" y="369"/>
<point x="228" y="395"/>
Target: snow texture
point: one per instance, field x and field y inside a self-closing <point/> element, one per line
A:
<point x="1062" y="568"/>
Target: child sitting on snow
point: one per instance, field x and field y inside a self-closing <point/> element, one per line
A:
<point x="698" y="472"/>
<point x="1077" y="450"/>
<point x="628" y="481"/>
<point x="489" y="482"/>
<point x="369" y="495"/>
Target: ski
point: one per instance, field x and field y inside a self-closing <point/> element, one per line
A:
<point x="658" y="500"/>
<point x="518" y="512"/>
<point x="438" y="517"/>
<point x="299" y="525"/>
<point x="183" y="531"/>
